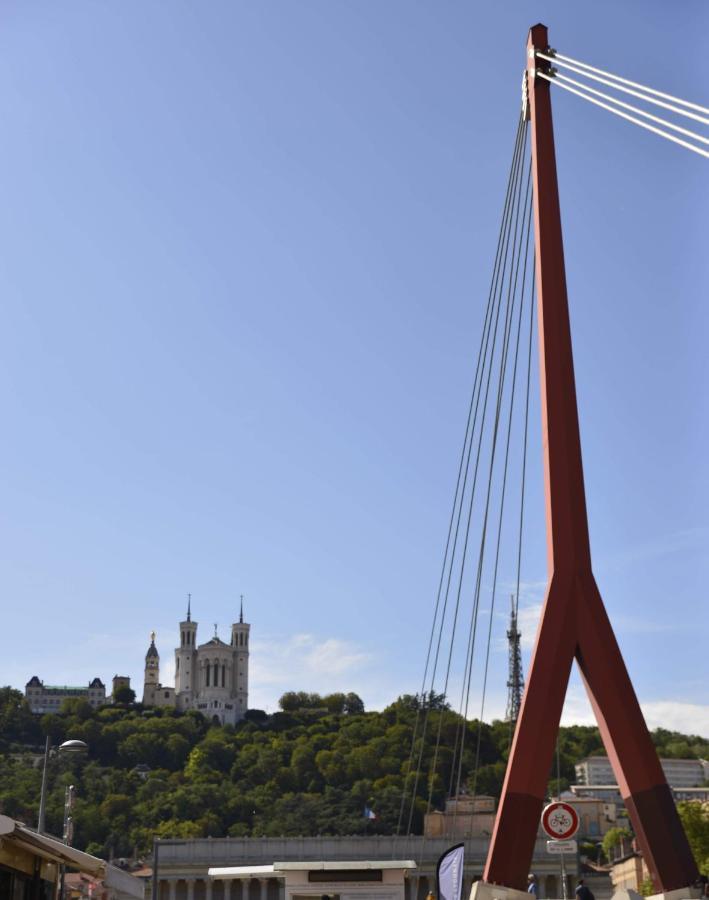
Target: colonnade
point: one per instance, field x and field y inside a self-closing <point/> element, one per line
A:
<point x="417" y="886"/>
<point x="187" y="887"/>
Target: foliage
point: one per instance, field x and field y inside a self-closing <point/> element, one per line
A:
<point x="646" y="887"/>
<point x="612" y="838"/>
<point x="695" y="820"/>
<point x="310" y="768"/>
<point x="336" y="704"/>
<point x="124" y="694"/>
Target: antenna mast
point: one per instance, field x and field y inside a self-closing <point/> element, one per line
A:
<point x="515" y="679"/>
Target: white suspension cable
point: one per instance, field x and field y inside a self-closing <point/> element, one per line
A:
<point x="635" y="109"/>
<point x="635" y="84"/>
<point x="618" y="112"/>
<point x="619" y="87"/>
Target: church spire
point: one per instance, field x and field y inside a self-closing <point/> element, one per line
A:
<point x="241" y="611"/>
<point x="189" y="603"/>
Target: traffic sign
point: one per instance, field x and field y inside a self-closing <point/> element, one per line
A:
<point x="562" y="847"/>
<point x="560" y="820"/>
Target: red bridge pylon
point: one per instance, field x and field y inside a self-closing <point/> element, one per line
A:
<point x="574" y="623"/>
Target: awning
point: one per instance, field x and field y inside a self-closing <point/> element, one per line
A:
<point x="339" y="865"/>
<point x="279" y="869"/>
<point x="242" y="872"/>
<point x="56" y="851"/>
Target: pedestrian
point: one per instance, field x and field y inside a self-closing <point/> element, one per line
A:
<point x="532" y="885"/>
<point x="583" y="892"/>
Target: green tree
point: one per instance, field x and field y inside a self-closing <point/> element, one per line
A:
<point x="695" y="821"/>
<point x="124" y="694"/>
<point x="16" y="720"/>
<point x="353" y="705"/>
<point x="613" y="838"/>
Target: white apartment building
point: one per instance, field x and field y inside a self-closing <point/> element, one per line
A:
<point x="680" y="773"/>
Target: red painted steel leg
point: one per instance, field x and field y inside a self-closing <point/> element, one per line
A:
<point x="574" y="620"/>
<point x="515" y="831"/>
<point x="641" y="780"/>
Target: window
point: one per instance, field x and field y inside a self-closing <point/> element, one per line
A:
<point x="208" y="670"/>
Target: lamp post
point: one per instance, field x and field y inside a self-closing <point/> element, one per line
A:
<point x="72" y="746"/>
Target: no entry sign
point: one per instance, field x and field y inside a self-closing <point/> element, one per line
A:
<point x="560" y="821"/>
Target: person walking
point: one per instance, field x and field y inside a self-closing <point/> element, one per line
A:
<point x="533" y="885"/>
<point x="583" y="892"/>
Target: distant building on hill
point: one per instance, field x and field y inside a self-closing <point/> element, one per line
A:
<point x="680" y="773"/>
<point x="120" y="682"/>
<point x="44" y="698"/>
<point x="464" y="816"/>
<point x="212" y="678"/>
<point x="468" y="816"/>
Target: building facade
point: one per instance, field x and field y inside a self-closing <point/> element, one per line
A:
<point x="45" y="698"/>
<point x="463" y="816"/>
<point x="468" y="816"/>
<point x="183" y="867"/>
<point x="212" y="677"/>
<point x="680" y="773"/>
<point x="119" y="683"/>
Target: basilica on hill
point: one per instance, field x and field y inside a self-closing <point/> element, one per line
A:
<point x="212" y="678"/>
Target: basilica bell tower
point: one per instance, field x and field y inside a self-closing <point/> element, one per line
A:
<point x="186" y="660"/>
<point x="151" y="681"/>
<point x="240" y="670"/>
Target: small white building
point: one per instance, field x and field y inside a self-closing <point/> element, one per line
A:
<point x="360" y="880"/>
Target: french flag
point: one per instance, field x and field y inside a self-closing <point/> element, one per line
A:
<point x="369" y="813"/>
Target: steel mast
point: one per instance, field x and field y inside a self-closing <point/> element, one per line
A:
<point x="574" y="622"/>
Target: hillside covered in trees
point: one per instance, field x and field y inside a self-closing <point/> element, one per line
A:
<point x="309" y="769"/>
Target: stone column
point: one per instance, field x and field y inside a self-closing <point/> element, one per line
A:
<point x="264" y="888"/>
<point x="281" y="889"/>
<point x="172" y="888"/>
<point x="190" y="888"/>
<point x="208" y="888"/>
<point x="245" y="883"/>
<point x="226" y="885"/>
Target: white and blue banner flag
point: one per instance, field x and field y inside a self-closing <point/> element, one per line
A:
<point x="449" y="874"/>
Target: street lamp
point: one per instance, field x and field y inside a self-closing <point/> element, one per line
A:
<point x="71" y="746"/>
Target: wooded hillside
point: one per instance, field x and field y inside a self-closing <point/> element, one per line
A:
<point x="309" y="769"/>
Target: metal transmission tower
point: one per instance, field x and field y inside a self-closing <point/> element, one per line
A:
<point x="515" y="680"/>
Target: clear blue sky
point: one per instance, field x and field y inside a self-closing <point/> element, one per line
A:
<point x="244" y="250"/>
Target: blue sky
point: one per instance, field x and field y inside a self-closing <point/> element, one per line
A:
<point x="244" y="252"/>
